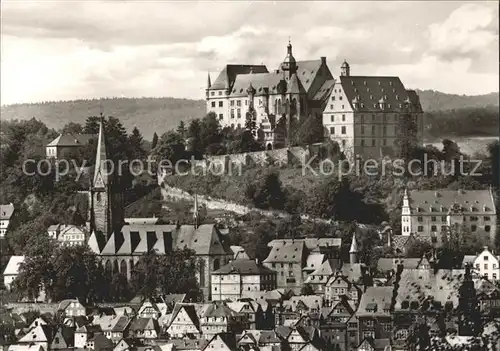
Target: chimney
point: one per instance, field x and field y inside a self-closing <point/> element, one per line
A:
<point x="323" y="60"/>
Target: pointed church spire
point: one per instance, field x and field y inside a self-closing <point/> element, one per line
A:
<point x="209" y="82"/>
<point x="100" y="173"/>
<point x="354" y="245"/>
<point x="196" y="216"/>
<point x="353" y="252"/>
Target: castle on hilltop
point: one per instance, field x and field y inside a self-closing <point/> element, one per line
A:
<point x="296" y="89"/>
<point x="361" y="113"/>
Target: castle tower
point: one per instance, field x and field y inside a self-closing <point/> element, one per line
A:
<point x="289" y="65"/>
<point x="100" y="190"/>
<point x="353" y="251"/>
<point x="345" y="69"/>
<point x="406" y="215"/>
<point x="251" y="96"/>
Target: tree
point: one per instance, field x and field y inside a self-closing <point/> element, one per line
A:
<point x="72" y="128"/>
<point x="195" y="144"/>
<point x="266" y="191"/>
<point x="210" y="131"/>
<point x="77" y="274"/>
<point x="36" y="272"/>
<point x="172" y="273"/>
<point x="155" y="140"/>
<point x="135" y="143"/>
<point x="310" y="131"/>
<point x="418" y="249"/>
<point x="119" y="288"/>
<point x="406" y="136"/>
<point x="251" y="123"/>
<point x="334" y="199"/>
<point x="181" y="129"/>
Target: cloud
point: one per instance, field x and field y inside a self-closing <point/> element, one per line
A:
<point x="468" y="32"/>
<point x="61" y="50"/>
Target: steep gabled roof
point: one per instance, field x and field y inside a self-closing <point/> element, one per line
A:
<point x="68" y="140"/>
<point x="471" y="201"/>
<point x="375" y="302"/>
<point x="369" y="90"/>
<point x="227" y="76"/>
<point x="6" y="211"/>
<point x="12" y="267"/>
<point x="243" y="267"/>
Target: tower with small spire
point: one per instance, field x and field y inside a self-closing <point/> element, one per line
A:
<point x="345" y="69"/>
<point x="209" y="84"/>
<point x="406" y="215"/>
<point x="100" y="189"/>
<point x="353" y="251"/>
<point x="289" y="64"/>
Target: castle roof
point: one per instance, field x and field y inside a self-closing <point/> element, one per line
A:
<point x="265" y="82"/>
<point x="370" y="90"/>
<point x="229" y="73"/>
<point x="468" y="201"/>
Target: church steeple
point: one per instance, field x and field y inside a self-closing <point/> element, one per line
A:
<point x="100" y="173"/>
<point x="353" y="251"/>
<point x="209" y="82"/>
<point x="289" y="65"/>
<point x="100" y="190"/>
<point x="196" y="212"/>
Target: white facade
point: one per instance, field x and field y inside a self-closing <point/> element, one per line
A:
<point x="433" y="211"/>
<point x="6" y="212"/>
<point x="487" y="265"/>
<point x="12" y="270"/>
<point x="363" y="114"/>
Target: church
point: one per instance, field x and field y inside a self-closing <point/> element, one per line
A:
<point x="121" y="242"/>
<point x="296" y="89"/>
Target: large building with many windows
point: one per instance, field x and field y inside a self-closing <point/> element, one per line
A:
<point x="362" y="113"/>
<point x="425" y="212"/>
<point x="297" y="89"/>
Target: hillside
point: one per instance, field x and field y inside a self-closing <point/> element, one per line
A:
<point x="148" y="114"/>
<point x="161" y="114"/>
<point x="437" y="101"/>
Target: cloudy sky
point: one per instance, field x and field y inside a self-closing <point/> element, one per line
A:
<point x="55" y="50"/>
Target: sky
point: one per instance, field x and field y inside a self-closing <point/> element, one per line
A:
<point x="66" y="50"/>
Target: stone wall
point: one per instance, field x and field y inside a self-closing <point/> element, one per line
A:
<point x="171" y="193"/>
<point x="225" y="163"/>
